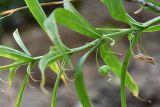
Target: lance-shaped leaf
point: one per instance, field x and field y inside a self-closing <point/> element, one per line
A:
<point x="68" y="6"/>
<point x="80" y="83"/>
<point x="52" y="31"/>
<point x="116" y="10"/>
<point x="72" y="21"/>
<point x="37" y="11"/>
<point x="20" y="42"/>
<point x="116" y="66"/>
<point x="13" y="54"/>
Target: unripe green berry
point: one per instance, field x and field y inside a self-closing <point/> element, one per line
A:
<point x="104" y="70"/>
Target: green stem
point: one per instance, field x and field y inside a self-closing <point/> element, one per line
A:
<point x="123" y="76"/>
<point x="112" y="29"/>
<point x="54" y="95"/>
<point x="151" y="22"/>
<point x="124" y="71"/>
<point x="117" y="34"/>
<point x="91" y="44"/>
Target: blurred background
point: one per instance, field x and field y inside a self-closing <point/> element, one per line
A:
<point x="103" y="91"/>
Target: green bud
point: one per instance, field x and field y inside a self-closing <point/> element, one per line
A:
<point x="104" y="70"/>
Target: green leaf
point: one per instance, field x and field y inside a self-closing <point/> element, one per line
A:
<point x="56" y="69"/>
<point x="54" y="95"/>
<point x="116" y="10"/>
<point x="37" y="11"/>
<point x="52" y="31"/>
<point x="48" y="60"/>
<point x="13" y="54"/>
<point x="81" y="20"/>
<point x="116" y="66"/>
<point x="20" y="42"/>
<point x="20" y="94"/>
<point x="154" y="28"/>
<point x="70" y="20"/>
<point x="79" y="81"/>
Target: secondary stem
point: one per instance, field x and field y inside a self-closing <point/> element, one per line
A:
<point x="91" y="44"/>
<point x="124" y="71"/>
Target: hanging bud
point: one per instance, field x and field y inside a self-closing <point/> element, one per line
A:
<point x="104" y="70"/>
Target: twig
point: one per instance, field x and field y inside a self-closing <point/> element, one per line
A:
<point x="11" y="11"/>
<point x="146" y="4"/>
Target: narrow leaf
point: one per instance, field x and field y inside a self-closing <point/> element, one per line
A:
<point x="37" y="11"/>
<point x="13" y="54"/>
<point x="68" y="6"/>
<point x="79" y="81"/>
<point x="70" y="20"/>
<point x="118" y="12"/>
<point x="20" y="42"/>
<point x="111" y="60"/>
<point x="116" y="9"/>
<point x="52" y="31"/>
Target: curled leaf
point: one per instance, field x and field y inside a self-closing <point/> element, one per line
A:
<point x="145" y="58"/>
